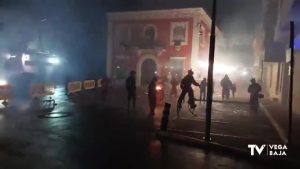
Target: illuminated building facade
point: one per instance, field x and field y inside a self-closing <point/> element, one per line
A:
<point x="158" y="41"/>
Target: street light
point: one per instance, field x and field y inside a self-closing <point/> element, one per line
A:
<point x="53" y="60"/>
<point x="3" y="82"/>
<point x="244" y="73"/>
<point x="210" y="73"/>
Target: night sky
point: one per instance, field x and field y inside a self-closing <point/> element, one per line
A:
<point x="77" y="28"/>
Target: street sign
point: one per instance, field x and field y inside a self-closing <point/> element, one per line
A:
<point x="5" y="92"/>
<point x="89" y="84"/>
<point x="74" y="87"/>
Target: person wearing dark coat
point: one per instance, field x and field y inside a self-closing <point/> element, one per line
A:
<point x="254" y="89"/>
<point x="203" y="86"/>
<point x="131" y="89"/>
<point x="152" y="95"/>
<point x="174" y="83"/>
<point x="186" y="87"/>
<point x="233" y="89"/>
<point x="104" y="88"/>
<point x="226" y="85"/>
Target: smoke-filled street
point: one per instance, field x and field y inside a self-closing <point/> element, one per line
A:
<point x="143" y="84"/>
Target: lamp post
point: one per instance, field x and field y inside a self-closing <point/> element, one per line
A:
<point x="292" y="64"/>
<point x="210" y="73"/>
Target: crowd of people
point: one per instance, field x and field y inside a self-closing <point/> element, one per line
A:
<point x="185" y="84"/>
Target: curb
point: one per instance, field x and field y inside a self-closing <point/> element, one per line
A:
<point x="223" y="149"/>
<point x="199" y="143"/>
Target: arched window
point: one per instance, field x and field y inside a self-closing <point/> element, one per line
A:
<point x="150" y="32"/>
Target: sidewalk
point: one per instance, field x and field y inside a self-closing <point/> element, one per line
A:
<point x="233" y="124"/>
<point x="279" y="116"/>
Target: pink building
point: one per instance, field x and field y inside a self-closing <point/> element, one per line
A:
<point x="158" y="41"/>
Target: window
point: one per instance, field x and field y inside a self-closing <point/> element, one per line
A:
<point x="179" y="33"/>
<point x="122" y="34"/>
<point x="150" y="33"/>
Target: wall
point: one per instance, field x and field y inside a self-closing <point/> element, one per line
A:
<point x="137" y="48"/>
<point x="278" y="74"/>
<point x="274" y="51"/>
<point x="163" y="36"/>
<point x="285" y="86"/>
<point x="286" y="10"/>
<point x="272" y="80"/>
<point x="258" y="51"/>
<point x="296" y="91"/>
<point x="167" y="55"/>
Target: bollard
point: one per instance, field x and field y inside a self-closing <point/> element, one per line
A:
<point x="165" y="118"/>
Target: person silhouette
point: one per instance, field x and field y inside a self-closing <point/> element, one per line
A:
<point x="131" y="89"/>
<point x="152" y="95"/>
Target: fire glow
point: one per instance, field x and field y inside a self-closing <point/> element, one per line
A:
<point x="158" y="88"/>
<point x="218" y="67"/>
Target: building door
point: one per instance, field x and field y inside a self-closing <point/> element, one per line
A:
<point x="149" y="68"/>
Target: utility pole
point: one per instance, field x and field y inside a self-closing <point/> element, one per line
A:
<point x="210" y="72"/>
<point x="292" y="34"/>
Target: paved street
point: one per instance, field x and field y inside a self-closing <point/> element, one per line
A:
<point x="234" y="121"/>
<point x="96" y="137"/>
